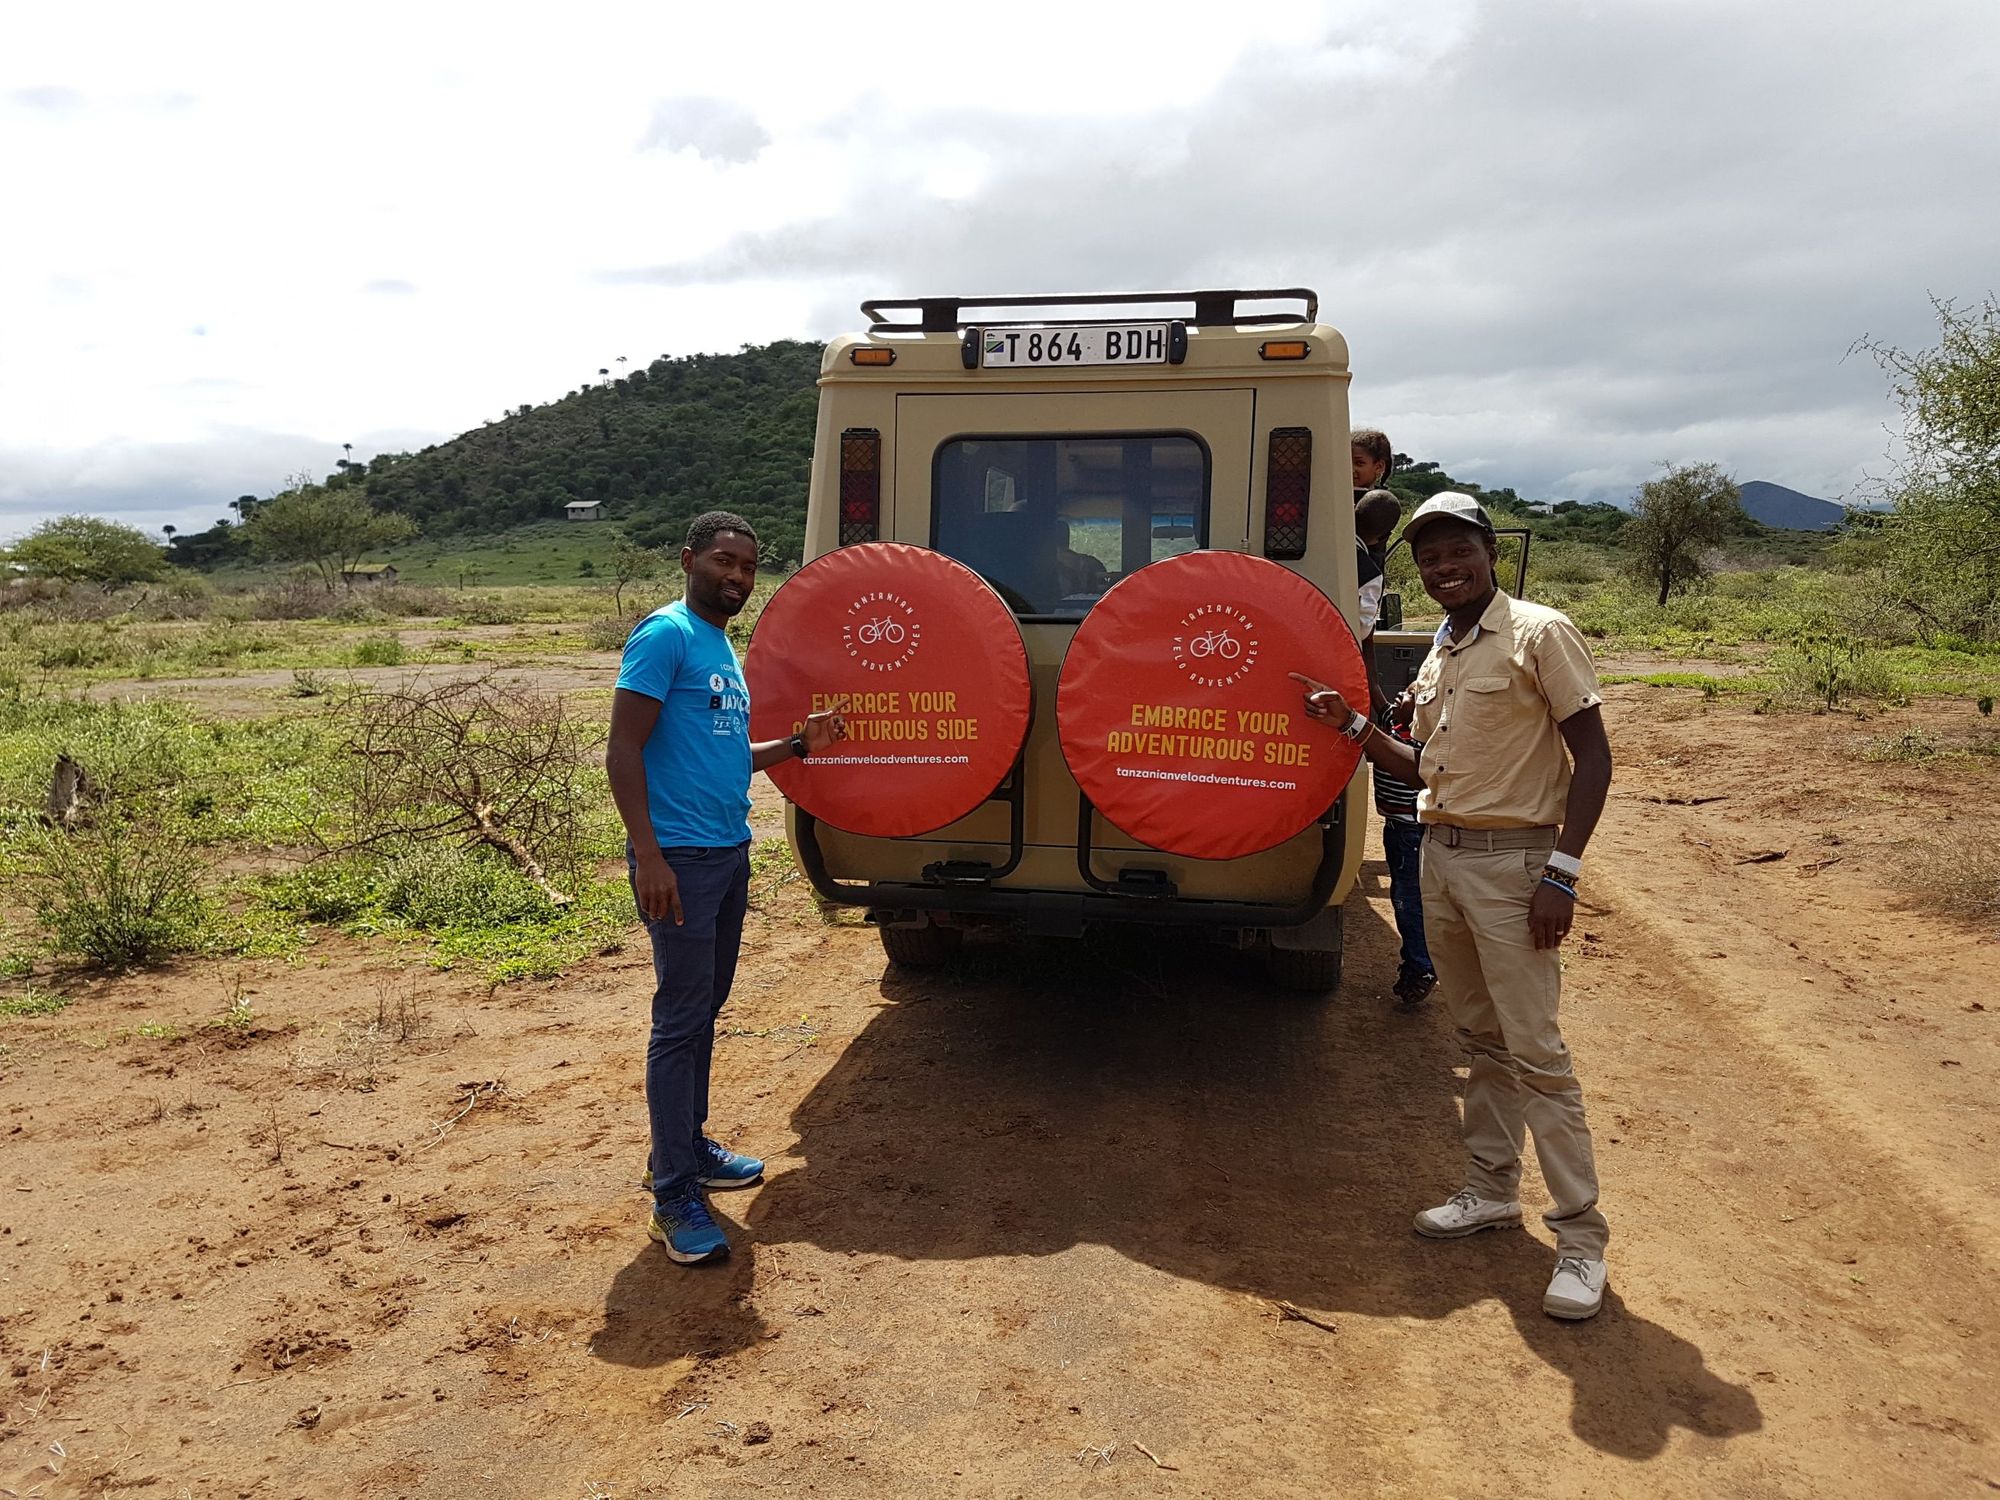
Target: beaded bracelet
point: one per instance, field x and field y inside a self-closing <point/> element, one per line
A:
<point x="1567" y="890"/>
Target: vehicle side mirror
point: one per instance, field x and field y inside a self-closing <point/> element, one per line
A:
<point x="1391" y="617"/>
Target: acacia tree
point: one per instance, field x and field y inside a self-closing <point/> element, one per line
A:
<point x="90" y="549"/>
<point x="630" y="562"/>
<point x="332" y="529"/>
<point x="1942" y="553"/>
<point x="1676" y="519"/>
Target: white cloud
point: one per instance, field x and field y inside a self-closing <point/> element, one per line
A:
<point x="714" y="129"/>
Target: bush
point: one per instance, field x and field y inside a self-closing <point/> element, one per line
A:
<point x="378" y="651"/>
<point x="119" y="893"/>
<point x="607" y="635"/>
<point x="1827" y="669"/>
<point x="482" y="609"/>
<point x="409" y="599"/>
<point x="1956" y="870"/>
<point x="299" y="597"/>
<point x="1909" y="745"/>
<point x="445" y="885"/>
<point x="80" y="650"/>
<point x="356" y="609"/>
<point x="1562" y="563"/>
<point x="327" y="891"/>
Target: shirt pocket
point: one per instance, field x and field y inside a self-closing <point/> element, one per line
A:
<point x="1482" y="702"/>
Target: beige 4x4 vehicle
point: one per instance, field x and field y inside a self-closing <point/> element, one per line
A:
<point x="1132" y="428"/>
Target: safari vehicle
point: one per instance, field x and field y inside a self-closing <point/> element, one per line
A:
<point x="1056" y="445"/>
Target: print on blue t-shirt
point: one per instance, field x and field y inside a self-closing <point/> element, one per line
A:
<point x="698" y="755"/>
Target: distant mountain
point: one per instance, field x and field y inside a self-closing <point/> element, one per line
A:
<point x="1788" y="510"/>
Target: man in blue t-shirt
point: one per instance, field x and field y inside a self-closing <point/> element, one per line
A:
<point x="680" y="760"/>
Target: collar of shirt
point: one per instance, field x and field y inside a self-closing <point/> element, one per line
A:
<point x="1491" y="618"/>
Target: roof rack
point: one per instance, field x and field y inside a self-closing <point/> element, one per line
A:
<point x="1218" y="308"/>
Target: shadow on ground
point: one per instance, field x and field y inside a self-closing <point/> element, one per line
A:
<point x="1151" y="1095"/>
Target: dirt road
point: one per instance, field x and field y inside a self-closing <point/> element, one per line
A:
<point x="1027" y="1221"/>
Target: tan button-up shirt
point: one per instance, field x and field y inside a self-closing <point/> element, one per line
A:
<point x="1487" y="708"/>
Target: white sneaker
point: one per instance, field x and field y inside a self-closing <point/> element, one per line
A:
<point x="1466" y="1213"/>
<point x="1577" y="1289"/>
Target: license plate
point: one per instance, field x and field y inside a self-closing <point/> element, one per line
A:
<point x="1128" y="344"/>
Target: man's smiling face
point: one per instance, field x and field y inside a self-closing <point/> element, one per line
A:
<point x="1455" y="560"/>
<point x="722" y="574"/>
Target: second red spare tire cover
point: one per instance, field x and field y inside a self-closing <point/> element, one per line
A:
<point x="1178" y="718"/>
<point x="926" y="663"/>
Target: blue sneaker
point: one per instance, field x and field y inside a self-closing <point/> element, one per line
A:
<point x="687" y="1231"/>
<point x="720" y="1168"/>
<point x="723" y="1168"/>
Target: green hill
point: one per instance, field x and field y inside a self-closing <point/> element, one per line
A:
<point x="655" y="447"/>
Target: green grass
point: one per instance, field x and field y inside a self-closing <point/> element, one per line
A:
<point x="235" y="781"/>
<point x="549" y="553"/>
<point x="542" y="944"/>
<point x="1709" y="686"/>
<point x="34" y="1002"/>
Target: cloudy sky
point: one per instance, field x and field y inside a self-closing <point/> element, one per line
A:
<point x="1565" y="242"/>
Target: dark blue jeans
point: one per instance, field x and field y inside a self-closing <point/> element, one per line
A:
<point x="694" y="964"/>
<point x="1403" y="847"/>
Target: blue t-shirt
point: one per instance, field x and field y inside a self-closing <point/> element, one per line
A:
<point x="698" y="755"/>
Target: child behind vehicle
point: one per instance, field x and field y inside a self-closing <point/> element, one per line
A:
<point x="1402" y="851"/>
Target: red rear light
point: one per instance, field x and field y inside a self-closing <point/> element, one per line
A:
<point x="860" y="485"/>
<point x="1287" y="492"/>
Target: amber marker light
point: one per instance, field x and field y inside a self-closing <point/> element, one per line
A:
<point x="1285" y="349"/>
<point x="873" y="356"/>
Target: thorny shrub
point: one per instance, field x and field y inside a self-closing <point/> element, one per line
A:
<point x="119" y="891"/>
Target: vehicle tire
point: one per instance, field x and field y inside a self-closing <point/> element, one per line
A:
<point x="1306" y="970"/>
<point x="921" y="947"/>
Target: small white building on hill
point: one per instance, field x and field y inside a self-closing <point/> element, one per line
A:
<point x="584" y="510"/>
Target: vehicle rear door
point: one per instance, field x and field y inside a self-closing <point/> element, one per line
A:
<point x="1054" y="495"/>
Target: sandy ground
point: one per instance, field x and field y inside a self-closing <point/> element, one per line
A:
<point x="1027" y="1221"/>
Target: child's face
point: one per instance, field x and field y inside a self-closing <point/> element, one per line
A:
<point x="1368" y="472"/>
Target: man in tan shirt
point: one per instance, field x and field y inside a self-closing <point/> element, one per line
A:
<point x="1505" y="703"/>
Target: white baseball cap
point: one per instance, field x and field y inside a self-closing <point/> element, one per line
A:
<point x="1447" y="505"/>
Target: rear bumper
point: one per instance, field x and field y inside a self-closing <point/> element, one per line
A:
<point x="945" y="891"/>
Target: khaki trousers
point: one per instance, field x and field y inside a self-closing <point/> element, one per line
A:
<point x="1501" y="994"/>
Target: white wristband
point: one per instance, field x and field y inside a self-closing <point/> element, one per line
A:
<point x="1569" y="864"/>
<point x="1357" y="726"/>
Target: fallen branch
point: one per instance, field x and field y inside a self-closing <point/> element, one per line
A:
<point x="1158" y="1463"/>
<point x="1288" y="1313"/>
<point x="501" y="839"/>
<point x="1764" y="857"/>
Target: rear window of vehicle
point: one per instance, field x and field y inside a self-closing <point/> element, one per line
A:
<point x="1052" y="522"/>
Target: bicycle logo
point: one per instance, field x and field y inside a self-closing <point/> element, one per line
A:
<point x="1216" y="645"/>
<point x="1218" y="642"/>
<point x="884" y="629"/>
<point x="881" y="631"/>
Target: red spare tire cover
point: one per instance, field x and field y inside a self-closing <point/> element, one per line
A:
<point x="1176" y="714"/>
<point x="925" y="661"/>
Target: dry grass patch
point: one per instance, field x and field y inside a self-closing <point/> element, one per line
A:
<point x="1955" y="871"/>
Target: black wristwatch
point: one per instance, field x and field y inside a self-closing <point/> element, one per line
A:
<point x="799" y="746"/>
